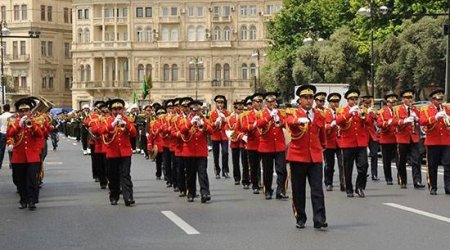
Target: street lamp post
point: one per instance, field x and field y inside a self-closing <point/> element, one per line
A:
<point x="4" y="33"/>
<point x="257" y="53"/>
<point x="310" y="41"/>
<point x="196" y="61"/>
<point x="369" y="12"/>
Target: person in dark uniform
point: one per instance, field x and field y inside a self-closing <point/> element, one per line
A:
<point x="307" y="126"/>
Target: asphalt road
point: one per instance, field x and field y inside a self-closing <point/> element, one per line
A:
<point x="74" y="213"/>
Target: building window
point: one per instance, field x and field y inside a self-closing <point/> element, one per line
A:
<point x="23" y="48"/>
<point x="66" y="15"/>
<point x="165" y="11"/>
<point x="226" y="11"/>
<point x="88" y="73"/>
<point x="269" y="9"/>
<point x="174" y="35"/>
<point x="148" y="70"/>
<point x="165" y="34"/>
<point x="139" y="12"/>
<point x="50" y="14"/>
<point x="70" y="15"/>
<point x="244" y="72"/>
<point x="243" y="10"/>
<point x="216" y="11"/>
<point x="80" y="35"/>
<point x="173" y="11"/>
<point x="23" y="81"/>
<point x="4" y="48"/>
<point x="149" y="34"/>
<point x="244" y="33"/>
<point x="226" y="72"/>
<point x="148" y="12"/>
<point x="3" y="13"/>
<point x="174" y="72"/>
<point x="218" y="72"/>
<point x="252" y="10"/>
<point x="50" y="82"/>
<point x="44" y="82"/>
<point x="67" y="83"/>
<point x="200" y="11"/>
<point x="87" y="35"/>
<point x="16" y="13"/>
<point x="67" y="50"/>
<point x="200" y="70"/>
<point x="252" y="32"/>
<point x="86" y="14"/>
<point x="15" y="50"/>
<point x="82" y="73"/>
<point x="190" y="11"/>
<point x="124" y="12"/>
<point x="43" y="48"/>
<point x="140" y="34"/>
<point x="140" y="72"/>
<point x="108" y="13"/>
<point x="50" y="49"/>
<point x="252" y="69"/>
<point x="192" y="72"/>
<point x="42" y="12"/>
<point x="80" y="14"/>
<point x="166" y="72"/>
<point x="200" y="33"/>
<point x="191" y="33"/>
<point x="226" y="33"/>
<point x="217" y="32"/>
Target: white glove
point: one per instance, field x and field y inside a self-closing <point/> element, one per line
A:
<point x="274" y="112"/>
<point x="222" y="116"/>
<point x="254" y="124"/>
<point x="147" y="134"/>
<point x="408" y="120"/>
<point x="10" y="148"/>
<point x="303" y="120"/>
<point x="413" y="115"/>
<point x="119" y="117"/>
<point x="440" y="114"/>
<point x="390" y="121"/>
<point x="201" y="121"/>
<point x="276" y="118"/>
<point x="354" y="109"/>
<point x="22" y="121"/>
<point x="194" y="120"/>
<point x="245" y="138"/>
<point x="333" y="124"/>
<point x="116" y="120"/>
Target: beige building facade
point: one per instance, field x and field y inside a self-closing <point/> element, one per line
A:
<point x="187" y="47"/>
<point x="40" y="66"/>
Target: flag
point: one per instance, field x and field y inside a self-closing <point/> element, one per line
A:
<point x="135" y="98"/>
<point x="144" y="89"/>
<point x="149" y="82"/>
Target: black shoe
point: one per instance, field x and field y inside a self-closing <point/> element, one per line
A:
<point x="360" y="193"/>
<point x="113" y="202"/>
<point x="237" y="183"/>
<point x="204" y="199"/>
<point x="32" y="206"/>
<point x="23" y="205"/>
<point x="176" y="189"/>
<point x="255" y="191"/>
<point x="329" y="188"/>
<point x="130" y="202"/>
<point x="169" y="185"/>
<point x="97" y="180"/>
<point x="447" y="191"/>
<point x="342" y="188"/>
<point x="319" y="225"/>
<point x="268" y="196"/>
<point x="226" y="176"/>
<point x="147" y="157"/>
<point x="375" y="178"/>
<point x="390" y="183"/>
<point x="403" y="186"/>
<point x="102" y="186"/>
<point x="217" y="176"/>
<point x="158" y="177"/>
<point x="433" y="192"/>
<point x="246" y="186"/>
<point x="300" y="224"/>
<point x="350" y="195"/>
<point x="182" y="194"/>
<point x="282" y="196"/>
<point x="418" y="185"/>
<point x="208" y="197"/>
<point x="190" y="199"/>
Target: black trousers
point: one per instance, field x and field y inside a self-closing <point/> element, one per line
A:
<point x="181" y="173"/>
<point x="158" y="162"/>
<point x="143" y="144"/>
<point x="99" y="166"/>
<point x="437" y="155"/>
<point x="329" y="154"/>
<point x="93" y="162"/>
<point x="373" y="154"/>
<point x="175" y="168"/>
<point x="194" y="166"/>
<point x="299" y="173"/>
<point x="359" y="156"/>
<point x="268" y="160"/>
<point x="220" y="147"/>
<point x="119" y="177"/>
<point x="235" y="156"/>
<point x="84" y="137"/>
<point x="167" y="164"/>
<point x="27" y="181"/>
<point x="255" y="168"/>
<point x="245" y="167"/>
<point x="414" y="156"/>
<point x="388" y="152"/>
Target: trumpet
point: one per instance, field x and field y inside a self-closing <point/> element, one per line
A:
<point x="446" y="118"/>
<point x="28" y="123"/>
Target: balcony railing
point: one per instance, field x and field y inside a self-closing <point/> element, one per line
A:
<point x="221" y="19"/>
<point x="168" y="44"/>
<point x="16" y="57"/>
<point x="92" y="85"/>
<point x="169" y="19"/>
<point x="221" y="44"/>
<point x="18" y="90"/>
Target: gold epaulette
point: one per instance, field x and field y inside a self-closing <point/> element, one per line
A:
<point x="290" y="111"/>
<point x="339" y="110"/>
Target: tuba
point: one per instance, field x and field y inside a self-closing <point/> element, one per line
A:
<point x="43" y="105"/>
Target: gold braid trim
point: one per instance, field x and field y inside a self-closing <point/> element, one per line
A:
<point x="349" y="122"/>
<point x="303" y="129"/>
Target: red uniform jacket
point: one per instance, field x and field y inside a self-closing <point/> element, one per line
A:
<point x="96" y="124"/>
<point x="307" y="140"/>
<point x="177" y="122"/>
<point x="331" y="132"/>
<point x="233" y="124"/>
<point x="353" y="131"/>
<point x="167" y="138"/>
<point x="405" y="132"/>
<point x="195" y="140"/>
<point x="25" y="142"/>
<point x="87" y="123"/>
<point x="371" y="122"/>
<point x="247" y="120"/>
<point x="155" y="135"/>
<point x="218" y="131"/>
<point x="272" y="136"/>
<point x="118" y="141"/>
<point x="437" y="133"/>
<point x="387" y="131"/>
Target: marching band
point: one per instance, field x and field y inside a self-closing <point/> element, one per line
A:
<point x="293" y="141"/>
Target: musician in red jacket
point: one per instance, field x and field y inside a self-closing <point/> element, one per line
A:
<point x="94" y="122"/>
<point x="155" y="139"/>
<point x="25" y="134"/>
<point x="435" y="119"/>
<point x="307" y="126"/>
<point x="332" y="148"/>
<point x="118" y="131"/>
<point x="408" y="136"/>
<point x="247" y="105"/>
<point x="219" y="139"/>
<point x="386" y="121"/>
<point x="354" y="142"/>
<point x="367" y="105"/>
<point x="233" y="130"/>
<point x="272" y="146"/>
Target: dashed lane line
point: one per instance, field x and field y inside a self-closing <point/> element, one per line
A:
<point x="180" y="223"/>
<point x="419" y="212"/>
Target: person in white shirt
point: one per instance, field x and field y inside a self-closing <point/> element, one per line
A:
<point x="3" y="126"/>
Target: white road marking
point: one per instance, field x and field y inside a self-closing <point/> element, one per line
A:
<point x="180" y="222"/>
<point x="420" y="212"/>
<point x="74" y="143"/>
<point x="53" y="162"/>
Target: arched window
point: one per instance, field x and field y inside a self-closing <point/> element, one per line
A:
<point x="243" y="32"/>
<point x="165" y="34"/>
<point x="140" y="72"/>
<point x="252" y="69"/>
<point x="174" y="72"/>
<point x="166" y="72"/>
<point x="252" y="32"/>
<point x="174" y="35"/>
<point x="200" y="72"/>
<point x="148" y="70"/>
<point x="87" y="35"/>
<point x="244" y="72"/>
<point x="82" y="73"/>
<point x="149" y="34"/>
<point x="200" y="33"/>
<point x="191" y="33"/>
<point x="125" y="71"/>
<point x="217" y="32"/>
<point x="226" y="72"/>
<point x="88" y="73"/>
<point x="226" y="33"/>
<point x="192" y="72"/>
<point x="80" y="35"/>
<point x="140" y="34"/>
<point x="218" y="75"/>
